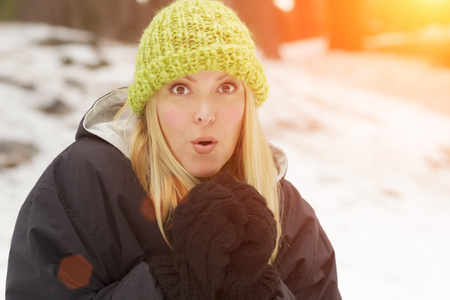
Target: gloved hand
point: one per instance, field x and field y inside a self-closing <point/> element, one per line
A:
<point x="206" y="227"/>
<point x="249" y="276"/>
<point x="222" y="237"/>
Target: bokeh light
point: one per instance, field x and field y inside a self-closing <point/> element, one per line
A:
<point x="75" y="271"/>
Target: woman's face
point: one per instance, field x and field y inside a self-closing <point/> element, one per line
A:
<point x="201" y="118"/>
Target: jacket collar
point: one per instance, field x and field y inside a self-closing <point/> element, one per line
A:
<point x="99" y="121"/>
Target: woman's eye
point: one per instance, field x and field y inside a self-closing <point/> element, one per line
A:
<point x="227" y="88"/>
<point x="179" y="89"/>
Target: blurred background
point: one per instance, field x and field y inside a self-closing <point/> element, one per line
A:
<point x="359" y="100"/>
<point x="411" y="27"/>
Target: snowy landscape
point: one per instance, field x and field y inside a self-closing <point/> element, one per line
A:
<point x="367" y="137"/>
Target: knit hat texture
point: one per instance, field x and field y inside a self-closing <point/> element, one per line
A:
<point x="189" y="36"/>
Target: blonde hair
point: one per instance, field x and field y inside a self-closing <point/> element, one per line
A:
<point x="166" y="182"/>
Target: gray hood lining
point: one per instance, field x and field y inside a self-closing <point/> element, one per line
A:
<point x="100" y="121"/>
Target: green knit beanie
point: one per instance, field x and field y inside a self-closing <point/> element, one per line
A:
<point x="189" y="36"/>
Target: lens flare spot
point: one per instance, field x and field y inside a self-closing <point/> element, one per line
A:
<point x="75" y="271"/>
<point x="285" y="5"/>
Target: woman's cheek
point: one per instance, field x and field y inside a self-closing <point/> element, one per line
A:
<point x="173" y="118"/>
<point x="235" y="114"/>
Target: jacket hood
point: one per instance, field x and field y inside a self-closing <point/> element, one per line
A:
<point x="99" y="121"/>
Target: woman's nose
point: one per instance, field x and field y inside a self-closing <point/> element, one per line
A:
<point x="205" y="114"/>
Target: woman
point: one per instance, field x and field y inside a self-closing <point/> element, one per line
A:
<point x="171" y="190"/>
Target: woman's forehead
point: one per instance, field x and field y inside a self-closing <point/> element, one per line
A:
<point x="217" y="75"/>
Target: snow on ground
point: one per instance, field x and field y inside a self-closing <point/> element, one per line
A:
<point x="367" y="145"/>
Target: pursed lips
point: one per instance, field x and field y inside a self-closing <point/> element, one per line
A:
<point x="204" y="145"/>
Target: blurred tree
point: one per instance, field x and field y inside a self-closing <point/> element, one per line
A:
<point x="302" y="21"/>
<point x="345" y="26"/>
<point x="262" y="18"/>
<point x="137" y="17"/>
<point x="7" y="10"/>
<point x="119" y="19"/>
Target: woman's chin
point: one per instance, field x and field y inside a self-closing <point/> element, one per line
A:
<point x="204" y="172"/>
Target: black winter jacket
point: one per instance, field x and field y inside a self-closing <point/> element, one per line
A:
<point x="82" y="233"/>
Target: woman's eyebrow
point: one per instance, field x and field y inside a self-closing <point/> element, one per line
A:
<point x="190" y="78"/>
<point x="223" y="76"/>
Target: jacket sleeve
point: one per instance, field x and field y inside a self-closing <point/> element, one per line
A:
<point x="53" y="258"/>
<point x="306" y="259"/>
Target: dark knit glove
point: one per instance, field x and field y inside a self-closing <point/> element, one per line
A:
<point x="248" y="275"/>
<point x="163" y="269"/>
<point x="207" y="227"/>
<point x="222" y="237"/>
